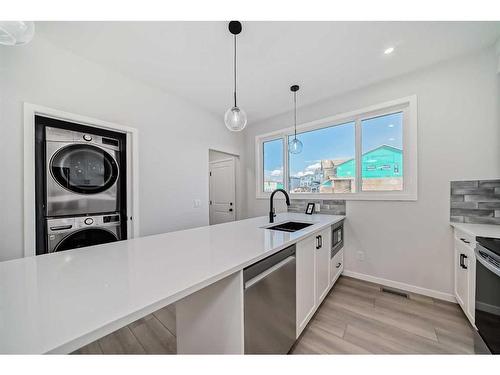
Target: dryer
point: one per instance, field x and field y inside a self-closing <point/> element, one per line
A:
<point x="82" y="173"/>
<point x="75" y="232"/>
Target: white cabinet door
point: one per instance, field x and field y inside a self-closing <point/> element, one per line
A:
<point x="336" y="266"/>
<point x="461" y="275"/>
<point x="323" y="244"/>
<point x="306" y="279"/>
<point x="471" y="268"/>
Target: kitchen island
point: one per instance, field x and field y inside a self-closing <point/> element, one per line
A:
<point x="58" y="302"/>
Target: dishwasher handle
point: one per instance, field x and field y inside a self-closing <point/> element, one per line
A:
<point x="269" y="271"/>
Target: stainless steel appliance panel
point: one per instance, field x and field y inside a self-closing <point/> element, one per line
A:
<point x="270" y="304"/>
<point x="487" y="310"/>
<point x="82" y="173"/>
<point x="337" y="238"/>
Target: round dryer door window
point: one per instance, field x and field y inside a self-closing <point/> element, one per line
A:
<point x="84" y="169"/>
<point x="86" y="237"/>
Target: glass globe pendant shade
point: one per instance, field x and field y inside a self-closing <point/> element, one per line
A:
<point x="235" y="119"/>
<point x="295" y="146"/>
<point x="16" y="33"/>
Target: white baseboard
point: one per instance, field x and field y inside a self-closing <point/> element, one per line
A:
<point x="406" y="287"/>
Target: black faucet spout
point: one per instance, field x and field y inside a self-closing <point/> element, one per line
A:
<point x="271" y="208"/>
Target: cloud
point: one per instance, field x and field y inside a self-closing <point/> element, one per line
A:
<point x="313" y="167"/>
<point x="309" y="170"/>
<point x="303" y="173"/>
<point x="277" y="172"/>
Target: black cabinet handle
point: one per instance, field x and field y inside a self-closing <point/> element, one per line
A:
<point x="320" y="242"/>
<point x="462" y="258"/>
<point x="464" y="240"/>
<point x="317" y="242"/>
<point x="338" y="265"/>
<point x="230" y="210"/>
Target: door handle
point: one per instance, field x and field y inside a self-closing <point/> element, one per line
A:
<point x="338" y="265"/>
<point x="464" y="240"/>
<point x="317" y="242"/>
<point x="462" y="258"/>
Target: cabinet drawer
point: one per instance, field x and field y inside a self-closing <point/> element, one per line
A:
<point x="465" y="238"/>
<point x="336" y="266"/>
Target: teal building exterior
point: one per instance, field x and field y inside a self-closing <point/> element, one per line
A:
<point x="382" y="162"/>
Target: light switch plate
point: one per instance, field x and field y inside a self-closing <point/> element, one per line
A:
<point x="196" y="203"/>
<point x="317" y="207"/>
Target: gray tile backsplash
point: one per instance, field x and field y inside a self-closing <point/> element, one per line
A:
<point x="327" y="206"/>
<point x="475" y="201"/>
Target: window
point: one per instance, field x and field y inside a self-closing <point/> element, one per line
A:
<point x="382" y="153"/>
<point x="273" y="165"/>
<point x="325" y="163"/>
<point x="365" y="154"/>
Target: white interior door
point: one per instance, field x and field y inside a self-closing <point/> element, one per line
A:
<point x="222" y="191"/>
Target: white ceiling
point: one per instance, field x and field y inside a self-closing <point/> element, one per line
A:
<point x="194" y="59"/>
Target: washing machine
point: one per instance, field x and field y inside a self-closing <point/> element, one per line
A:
<point x="82" y="173"/>
<point x="75" y="232"/>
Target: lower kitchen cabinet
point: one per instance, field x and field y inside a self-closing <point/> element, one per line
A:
<point x="313" y="275"/>
<point x="336" y="266"/>
<point x="323" y="248"/>
<point x="465" y="275"/>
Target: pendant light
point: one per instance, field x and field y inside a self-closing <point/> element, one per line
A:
<point x="235" y="118"/>
<point x="295" y="146"/>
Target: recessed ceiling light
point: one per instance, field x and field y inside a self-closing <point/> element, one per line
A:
<point x="389" y="50"/>
<point x="390" y="125"/>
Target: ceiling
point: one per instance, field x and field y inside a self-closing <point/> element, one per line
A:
<point x="194" y="59"/>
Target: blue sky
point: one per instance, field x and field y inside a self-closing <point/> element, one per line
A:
<point x="335" y="142"/>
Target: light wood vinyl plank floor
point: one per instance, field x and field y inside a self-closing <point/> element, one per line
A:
<point x="355" y="318"/>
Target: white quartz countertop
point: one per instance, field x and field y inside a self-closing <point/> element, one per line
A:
<point x="479" y="230"/>
<point x="62" y="301"/>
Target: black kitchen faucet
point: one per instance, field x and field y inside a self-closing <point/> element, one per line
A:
<point x="271" y="208"/>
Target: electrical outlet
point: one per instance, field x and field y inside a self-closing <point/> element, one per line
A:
<point x="317" y="207"/>
<point x="196" y="203"/>
<point x="360" y="255"/>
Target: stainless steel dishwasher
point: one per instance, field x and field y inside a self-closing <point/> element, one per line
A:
<point x="270" y="321"/>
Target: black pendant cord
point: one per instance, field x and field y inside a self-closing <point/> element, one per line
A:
<point x="295" y="113"/>
<point x="235" y="71"/>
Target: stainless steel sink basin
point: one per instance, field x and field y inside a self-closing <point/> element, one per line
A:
<point x="290" y="226"/>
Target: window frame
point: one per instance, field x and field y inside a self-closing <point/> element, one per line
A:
<point x="406" y="105"/>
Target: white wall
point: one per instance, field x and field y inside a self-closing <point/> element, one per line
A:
<point x="458" y="138"/>
<point x="174" y="135"/>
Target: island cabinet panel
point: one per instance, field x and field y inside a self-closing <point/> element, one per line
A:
<point x="322" y="260"/>
<point x="210" y="321"/>
<point x="305" y="281"/>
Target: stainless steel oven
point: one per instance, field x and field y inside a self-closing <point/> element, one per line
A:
<point x="337" y="237"/>
<point x="487" y="311"/>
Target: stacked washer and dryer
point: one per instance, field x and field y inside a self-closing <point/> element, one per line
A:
<point x="83" y="202"/>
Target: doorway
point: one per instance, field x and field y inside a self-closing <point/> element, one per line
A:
<point x="222" y="187"/>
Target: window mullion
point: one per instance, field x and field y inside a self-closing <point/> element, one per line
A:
<point x="285" y="163"/>
<point x="358" y="153"/>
